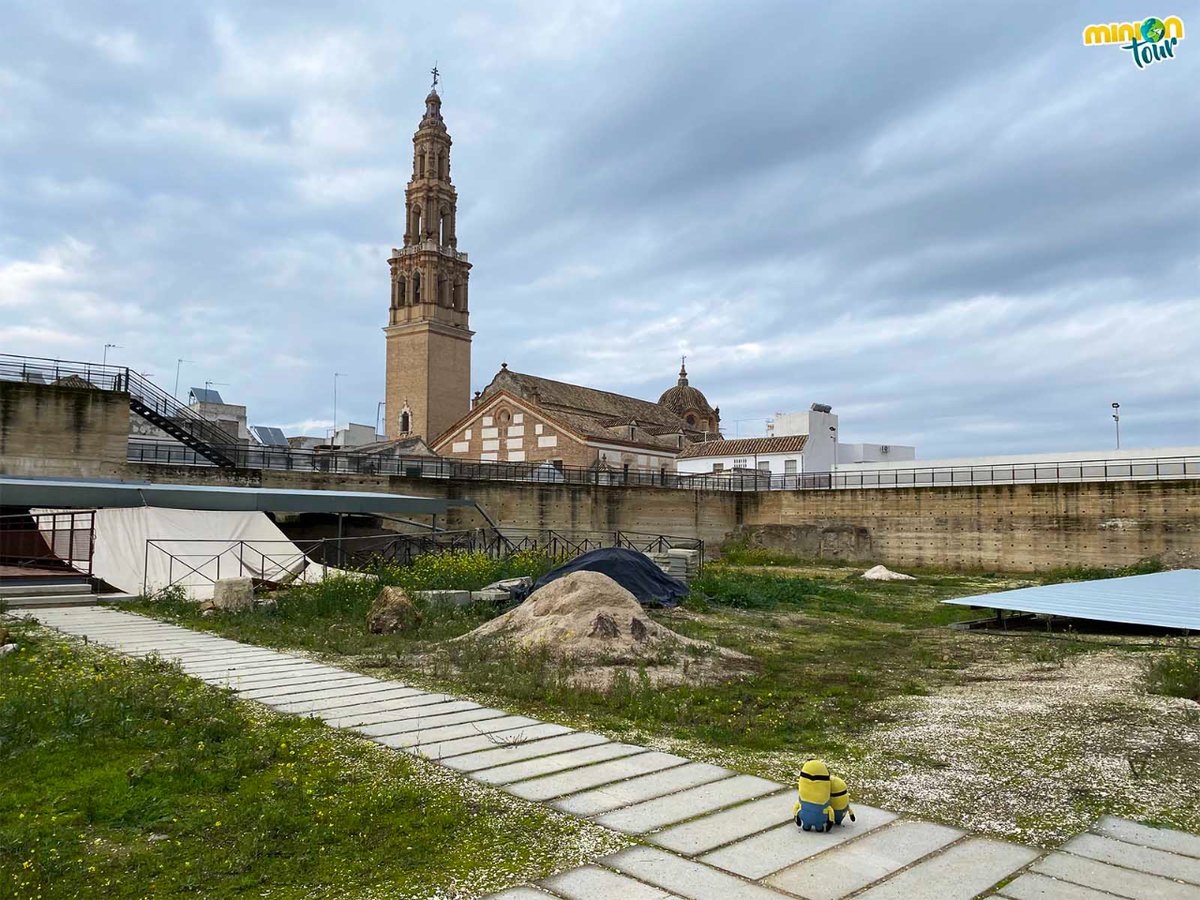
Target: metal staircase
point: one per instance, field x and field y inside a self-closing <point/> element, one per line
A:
<point x="146" y="399"/>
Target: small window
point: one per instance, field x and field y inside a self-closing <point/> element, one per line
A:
<point x="503" y="417"/>
<point x="764" y="467"/>
<point x="405" y="423"/>
<point x="718" y="467"/>
<point x="691" y="420"/>
<point x="789" y="467"/>
<point x="739" y="463"/>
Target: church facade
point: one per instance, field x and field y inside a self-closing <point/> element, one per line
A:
<point x="517" y="418"/>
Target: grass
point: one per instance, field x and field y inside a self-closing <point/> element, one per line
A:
<point x="124" y="778"/>
<point x="1175" y="673"/>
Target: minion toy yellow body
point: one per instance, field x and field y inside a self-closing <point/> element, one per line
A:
<point x="813" y="811"/>
<point x="839" y="799"/>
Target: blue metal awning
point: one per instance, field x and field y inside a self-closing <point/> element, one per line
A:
<point x="1162" y="599"/>
<point x="87" y="493"/>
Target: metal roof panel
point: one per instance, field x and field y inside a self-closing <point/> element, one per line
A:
<point x="1161" y="599"/>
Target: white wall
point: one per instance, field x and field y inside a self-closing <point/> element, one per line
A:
<point x="1017" y="459"/>
<point x="850" y="454"/>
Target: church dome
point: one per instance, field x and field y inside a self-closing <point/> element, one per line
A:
<point x="690" y="404"/>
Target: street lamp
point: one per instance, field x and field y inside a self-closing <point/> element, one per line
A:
<point x="179" y="365"/>
<point x="336" y="376"/>
<point x="1117" y="421"/>
<point x="108" y="347"/>
<point x="833" y="468"/>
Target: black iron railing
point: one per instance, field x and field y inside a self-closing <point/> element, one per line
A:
<point x="191" y="562"/>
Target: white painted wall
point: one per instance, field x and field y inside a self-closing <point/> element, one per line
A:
<point x="1020" y="458"/>
<point x="850" y="454"/>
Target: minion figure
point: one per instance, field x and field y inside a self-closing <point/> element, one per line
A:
<point x="839" y="799"/>
<point x="813" y="812"/>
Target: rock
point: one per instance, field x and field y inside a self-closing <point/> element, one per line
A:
<point x="882" y="573"/>
<point x="445" y="598"/>
<point x="7" y="649"/>
<point x="268" y="603"/>
<point x="208" y="612"/>
<point x="206" y="606"/>
<point x="233" y="594"/>
<point x="392" y="611"/>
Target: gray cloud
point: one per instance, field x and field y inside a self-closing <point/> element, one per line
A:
<point x="958" y="225"/>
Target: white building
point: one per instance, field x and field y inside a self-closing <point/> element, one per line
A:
<point x="796" y="443"/>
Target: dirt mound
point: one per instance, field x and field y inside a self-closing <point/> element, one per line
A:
<point x="588" y="618"/>
<point x="882" y="573"/>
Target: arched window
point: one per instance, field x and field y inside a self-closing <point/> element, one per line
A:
<point x="401" y="299"/>
<point x="444" y="227"/>
<point x="405" y="422"/>
<point x="441" y="165"/>
<point x="420" y="165"/>
<point x="416" y="288"/>
<point x="691" y="420"/>
<point x="415" y="224"/>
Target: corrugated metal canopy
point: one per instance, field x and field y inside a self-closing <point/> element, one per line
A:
<point x="1162" y="599"/>
<point x="102" y="494"/>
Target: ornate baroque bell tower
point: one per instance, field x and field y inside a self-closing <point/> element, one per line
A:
<point x="428" y="341"/>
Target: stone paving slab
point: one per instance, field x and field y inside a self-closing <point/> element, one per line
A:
<point x="654" y="814"/>
<point x="426" y="722"/>
<point x="1032" y="886"/>
<point x="360" y="685"/>
<point x="575" y="780"/>
<point x="636" y="790"/>
<point x="726" y="826"/>
<point x="446" y="749"/>
<point x="395" y="714"/>
<point x="595" y="883"/>
<point x="1117" y="881"/>
<point x="302" y="707"/>
<point x="499" y="756"/>
<point x="852" y="866"/>
<point x="436" y="735"/>
<point x="963" y="871"/>
<point x="557" y="762"/>
<point x="1157" y="838"/>
<point x="253" y="682"/>
<point x="248" y="661"/>
<point x="762" y="854"/>
<point x="1132" y="856"/>
<point x="353" y="713"/>
<point x="685" y="877"/>
<point x="521" y="893"/>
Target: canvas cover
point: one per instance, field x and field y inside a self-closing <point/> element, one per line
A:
<point x="191" y="548"/>
<point x="628" y="568"/>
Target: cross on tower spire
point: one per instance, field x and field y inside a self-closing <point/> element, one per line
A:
<point x="435" y="73"/>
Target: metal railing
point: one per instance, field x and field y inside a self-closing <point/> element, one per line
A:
<point x="347" y="462"/>
<point x="117" y="379"/>
<point x="204" y="561"/>
<point x="50" y="540"/>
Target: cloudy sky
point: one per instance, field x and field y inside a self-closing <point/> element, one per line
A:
<point x="954" y="223"/>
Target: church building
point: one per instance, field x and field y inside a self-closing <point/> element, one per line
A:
<point x="517" y="417"/>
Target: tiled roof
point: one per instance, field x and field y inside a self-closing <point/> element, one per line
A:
<point x="597" y="414"/>
<point x="792" y="443"/>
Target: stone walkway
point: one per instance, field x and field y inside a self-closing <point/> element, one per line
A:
<point x="707" y="831"/>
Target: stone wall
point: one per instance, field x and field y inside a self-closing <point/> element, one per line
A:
<point x="1007" y="528"/>
<point x="60" y="430"/>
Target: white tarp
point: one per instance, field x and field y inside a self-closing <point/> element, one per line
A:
<point x="148" y="548"/>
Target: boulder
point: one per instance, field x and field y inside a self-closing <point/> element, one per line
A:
<point x="392" y="611"/>
<point x="7" y="649"/>
<point x="233" y="594"/>
<point x="492" y="598"/>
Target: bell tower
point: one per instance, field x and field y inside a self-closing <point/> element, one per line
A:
<point x="428" y="339"/>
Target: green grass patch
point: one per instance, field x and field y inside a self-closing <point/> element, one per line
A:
<point x="124" y="778"/>
<point x="1176" y="672"/>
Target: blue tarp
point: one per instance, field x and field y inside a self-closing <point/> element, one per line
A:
<point x="628" y="568"/>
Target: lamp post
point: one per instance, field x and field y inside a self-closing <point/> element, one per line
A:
<point x="178" y="365"/>
<point x="336" y="376"/>
<point x="108" y="347"/>
<point x="1116" y="407"/>
<point x="833" y="466"/>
